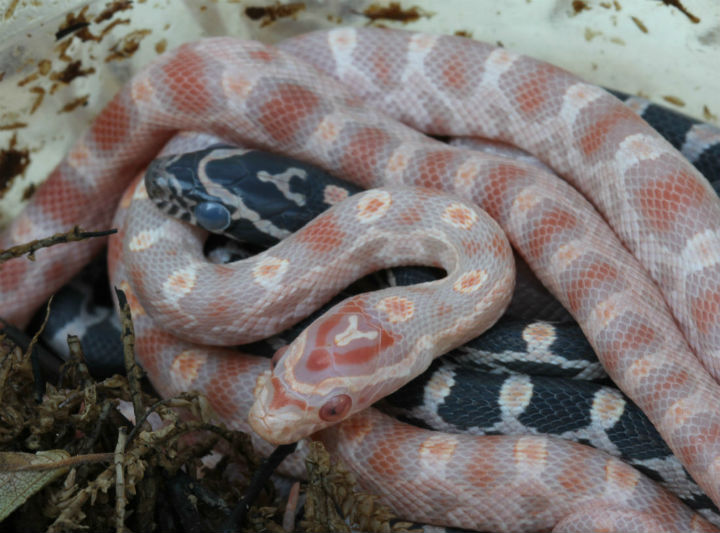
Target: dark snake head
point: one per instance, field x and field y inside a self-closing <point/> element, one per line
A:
<point x="250" y="196"/>
<point x="170" y="182"/>
<point x="182" y="188"/>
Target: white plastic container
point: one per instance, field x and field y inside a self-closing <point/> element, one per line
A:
<point x="61" y="60"/>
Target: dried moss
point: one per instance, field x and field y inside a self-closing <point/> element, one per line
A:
<point x="116" y="475"/>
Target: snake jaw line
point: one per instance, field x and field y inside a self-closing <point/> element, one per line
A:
<point x="277" y="417"/>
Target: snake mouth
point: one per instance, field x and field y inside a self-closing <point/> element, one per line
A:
<point x="157" y="179"/>
<point x="276" y="428"/>
<point x="174" y="196"/>
<point x="277" y="421"/>
<point x="258" y="421"/>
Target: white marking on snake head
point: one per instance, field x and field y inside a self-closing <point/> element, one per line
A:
<point x="281" y="180"/>
<point x="141" y="191"/>
<point x="261" y="392"/>
<point x="278" y="415"/>
<point x="352" y="333"/>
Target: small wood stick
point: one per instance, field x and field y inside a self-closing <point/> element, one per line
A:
<point x="120" y="502"/>
<point x="75" y="234"/>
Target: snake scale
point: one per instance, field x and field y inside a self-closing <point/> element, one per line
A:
<point x="655" y="201"/>
<point x="457" y="394"/>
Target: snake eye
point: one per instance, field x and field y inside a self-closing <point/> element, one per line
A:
<point x="336" y="408"/>
<point x="212" y="216"/>
<point x="277" y="355"/>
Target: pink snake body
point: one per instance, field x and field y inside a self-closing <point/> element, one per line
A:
<point x="655" y="201"/>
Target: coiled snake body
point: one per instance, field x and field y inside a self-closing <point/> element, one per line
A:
<point x="457" y="394"/>
<point x="666" y="215"/>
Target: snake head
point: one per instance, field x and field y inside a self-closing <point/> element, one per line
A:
<point x="340" y="364"/>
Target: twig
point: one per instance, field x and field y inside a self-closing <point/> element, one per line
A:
<point x="120" y="501"/>
<point x="73" y="505"/>
<point x="89" y="443"/>
<point x="75" y="460"/>
<point x="34" y="357"/>
<point x="77" y="360"/>
<point x="242" y="444"/>
<point x="75" y="234"/>
<point x="134" y="373"/>
<point x="40" y="358"/>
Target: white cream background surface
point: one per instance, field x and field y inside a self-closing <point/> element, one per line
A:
<point x="645" y="47"/>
